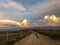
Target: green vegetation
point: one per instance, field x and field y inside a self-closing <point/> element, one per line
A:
<point x="54" y="34"/>
<point x="17" y="36"/>
<point x="13" y="37"/>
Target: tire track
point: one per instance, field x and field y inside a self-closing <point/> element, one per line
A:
<point x="36" y="39"/>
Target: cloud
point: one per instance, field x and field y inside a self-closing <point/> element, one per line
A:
<point x="11" y="10"/>
<point x="8" y="15"/>
<point x="11" y="4"/>
<point x="40" y="9"/>
<point x="44" y="8"/>
<point x="47" y="21"/>
<point x="53" y="2"/>
<point x="32" y="13"/>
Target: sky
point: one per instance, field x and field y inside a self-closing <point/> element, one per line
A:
<point x="32" y="10"/>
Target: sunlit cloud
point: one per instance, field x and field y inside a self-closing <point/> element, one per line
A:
<point x="53" y="2"/>
<point x="17" y="11"/>
<point x="49" y="21"/>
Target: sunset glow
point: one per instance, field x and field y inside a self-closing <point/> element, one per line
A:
<point x="23" y="23"/>
<point x="46" y="17"/>
<point x="52" y="18"/>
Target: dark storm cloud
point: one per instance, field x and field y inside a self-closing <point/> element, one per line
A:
<point x="33" y="13"/>
<point x="46" y="8"/>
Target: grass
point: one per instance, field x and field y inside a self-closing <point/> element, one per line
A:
<point x="13" y="37"/>
<point x="54" y="34"/>
<point x="17" y="36"/>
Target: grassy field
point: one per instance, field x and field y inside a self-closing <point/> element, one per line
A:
<point x="54" y="34"/>
<point x="16" y="36"/>
<point x="13" y="37"/>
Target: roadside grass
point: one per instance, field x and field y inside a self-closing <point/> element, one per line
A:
<point x="13" y="37"/>
<point x="54" y="34"/>
<point x="17" y="36"/>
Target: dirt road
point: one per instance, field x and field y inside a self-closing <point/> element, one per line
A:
<point x="37" y="39"/>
